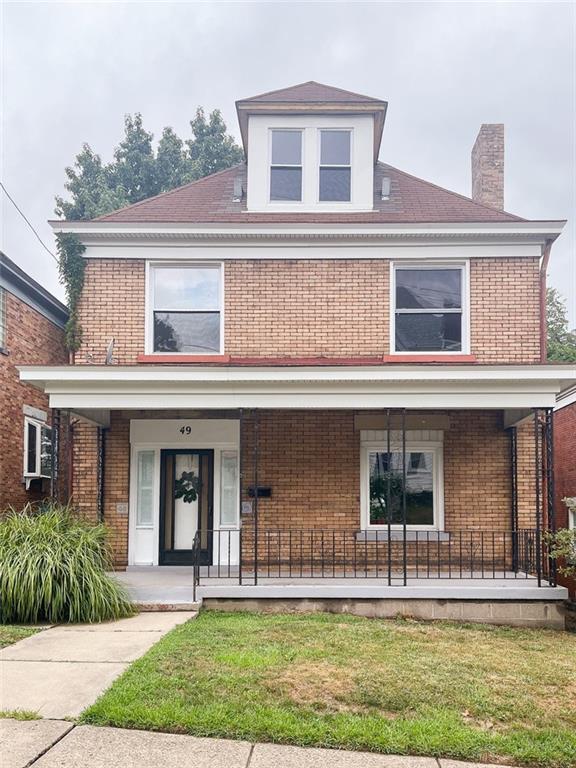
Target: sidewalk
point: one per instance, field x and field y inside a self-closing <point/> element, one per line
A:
<point x="60" y="671"/>
<point x="56" y="744"/>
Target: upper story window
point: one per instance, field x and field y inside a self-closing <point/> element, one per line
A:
<point x="429" y="313"/>
<point x="286" y="166"/>
<point x="335" y="166"/>
<point x="185" y="312"/>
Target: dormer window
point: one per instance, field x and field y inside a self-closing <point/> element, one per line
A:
<point x="286" y="166"/>
<point x="335" y="167"/>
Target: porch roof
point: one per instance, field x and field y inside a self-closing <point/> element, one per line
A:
<point x="358" y="387"/>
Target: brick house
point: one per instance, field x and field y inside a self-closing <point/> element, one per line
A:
<point x="565" y="465"/>
<point x="315" y="364"/>
<point x="31" y="333"/>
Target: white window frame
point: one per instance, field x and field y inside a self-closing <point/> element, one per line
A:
<point x="3" y="314"/>
<point x="236" y="522"/>
<point x="320" y="165"/>
<point x="291" y="129"/>
<point x="436" y="448"/>
<point x="150" y="309"/>
<point x="38" y="448"/>
<point x="464" y="267"/>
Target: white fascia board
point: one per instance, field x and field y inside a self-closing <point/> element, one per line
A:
<point x="544" y="230"/>
<point x="336" y="250"/>
<point x="513" y="374"/>
<point x="301" y="400"/>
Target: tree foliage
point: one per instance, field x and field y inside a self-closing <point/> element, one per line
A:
<point x="139" y="171"/>
<point x="561" y="340"/>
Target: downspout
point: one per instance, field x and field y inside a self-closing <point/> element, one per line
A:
<point x="101" y="471"/>
<point x="543" y="324"/>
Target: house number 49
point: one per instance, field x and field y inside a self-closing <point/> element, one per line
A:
<point x="185" y="430"/>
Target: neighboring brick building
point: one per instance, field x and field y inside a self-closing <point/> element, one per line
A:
<point x="31" y="333"/>
<point x="565" y="465"/>
<point x="361" y="345"/>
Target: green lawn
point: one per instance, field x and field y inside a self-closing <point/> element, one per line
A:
<point x="401" y="687"/>
<point x="10" y="633"/>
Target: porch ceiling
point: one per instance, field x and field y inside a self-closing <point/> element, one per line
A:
<point x="297" y="387"/>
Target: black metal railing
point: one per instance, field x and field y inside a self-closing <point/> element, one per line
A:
<point x="246" y="556"/>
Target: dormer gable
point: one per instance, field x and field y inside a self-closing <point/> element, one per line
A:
<point x="311" y="148"/>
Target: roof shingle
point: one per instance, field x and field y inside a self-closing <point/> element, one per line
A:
<point x="312" y="91"/>
<point x="210" y="201"/>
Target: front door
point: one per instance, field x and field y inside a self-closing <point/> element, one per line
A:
<point x="186" y="491"/>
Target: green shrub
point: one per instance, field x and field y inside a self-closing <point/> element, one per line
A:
<point x="53" y="568"/>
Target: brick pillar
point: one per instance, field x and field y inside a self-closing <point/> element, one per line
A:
<point x="488" y="166"/>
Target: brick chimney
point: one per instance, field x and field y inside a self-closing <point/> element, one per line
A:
<point x="488" y="166"/>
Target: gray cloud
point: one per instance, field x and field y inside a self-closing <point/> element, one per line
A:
<point x="72" y="70"/>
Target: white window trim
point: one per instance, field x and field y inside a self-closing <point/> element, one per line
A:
<point x="319" y="165"/>
<point x="433" y="446"/>
<point x="302" y="132"/>
<point x="149" y="303"/>
<point x="464" y="266"/>
<point x="38" y="424"/>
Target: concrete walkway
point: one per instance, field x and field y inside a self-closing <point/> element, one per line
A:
<point x="54" y="744"/>
<point x="59" y="672"/>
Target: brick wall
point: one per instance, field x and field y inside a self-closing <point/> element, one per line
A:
<point x="335" y="308"/>
<point x="31" y="339"/>
<point x="565" y="469"/>
<point x="311" y="459"/>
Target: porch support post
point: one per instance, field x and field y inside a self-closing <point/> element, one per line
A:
<point x="538" y="479"/>
<point x="54" y="470"/>
<point x="404" y="564"/>
<point x="240" y="489"/>
<point x="101" y="459"/>
<point x="514" y="494"/>
<point x="388" y="494"/>
<point x="550" y="489"/>
<point x="255" y="460"/>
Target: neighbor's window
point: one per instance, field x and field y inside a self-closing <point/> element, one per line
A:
<point x="335" y="168"/>
<point x="229" y="488"/>
<point x="145" y="490"/>
<point x="186" y="309"/>
<point x="37" y="449"/>
<point x="386" y="480"/>
<point x="2" y="318"/>
<point x="428" y="315"/>
<point x="286" y="166"/>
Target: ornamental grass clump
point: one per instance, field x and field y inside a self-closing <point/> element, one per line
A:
<point x="53" y="567"/>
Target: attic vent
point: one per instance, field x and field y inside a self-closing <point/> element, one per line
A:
<point x="237" y="196"/>
<point x="385" y="188"/>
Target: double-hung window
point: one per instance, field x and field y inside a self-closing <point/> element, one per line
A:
<point x="286" y="166"/>
<point x="335" y="166"/>
<point x="391" y="479"/>
<point x="429" y="309"/>
<point x="186" y="309"/>
<point x="37" y="449"/>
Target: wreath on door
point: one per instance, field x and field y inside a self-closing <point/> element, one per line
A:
<point x="187" y="487"/>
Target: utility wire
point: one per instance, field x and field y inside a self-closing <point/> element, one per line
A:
<point x="29" y="224"/>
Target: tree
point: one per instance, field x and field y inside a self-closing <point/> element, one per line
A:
<point x="211" y="149"/>
<point x="138" y="171"/>
<point x="561" y="341"/>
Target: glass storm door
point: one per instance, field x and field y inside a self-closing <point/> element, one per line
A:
<point x="186" y="490"/>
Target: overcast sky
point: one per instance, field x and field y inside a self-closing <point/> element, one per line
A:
<point x="71" y="70"/>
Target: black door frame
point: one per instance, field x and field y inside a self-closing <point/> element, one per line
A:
<point x="184" y="556"/>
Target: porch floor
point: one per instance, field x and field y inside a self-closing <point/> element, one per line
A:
<point x="172" y="585"/>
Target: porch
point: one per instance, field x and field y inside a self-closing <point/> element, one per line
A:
<point x="383" y="483"/>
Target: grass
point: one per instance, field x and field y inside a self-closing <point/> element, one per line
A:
<point x="10" y="633"/>
<point x="400" y="687"/>
<point x="19" y="714"/>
